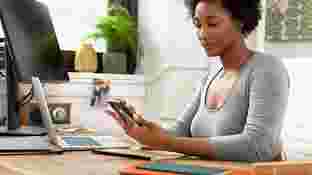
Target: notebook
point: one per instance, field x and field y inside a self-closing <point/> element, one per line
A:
<point x="157" y="168"/>
<point x="184" y="169"/>
<point x="133" y="170"/>
<point x="236" y="168"/>
<point x="140" y="153"/>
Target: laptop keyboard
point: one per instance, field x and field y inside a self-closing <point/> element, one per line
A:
<point x="24" y="143"/>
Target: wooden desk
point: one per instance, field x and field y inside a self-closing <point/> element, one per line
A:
<point x="88" y="163"/>
<point x="75" y="163"/>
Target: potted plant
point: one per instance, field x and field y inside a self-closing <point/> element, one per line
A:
<point x="119" y="30"/>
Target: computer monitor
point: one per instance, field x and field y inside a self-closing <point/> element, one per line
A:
<point x="31" y="50"/>
<point x="32" y="40"/>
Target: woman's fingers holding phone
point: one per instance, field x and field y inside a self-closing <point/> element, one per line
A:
<point x="116" y="116"/>
<point x="124" y="102"/>
<point x="131" y="108"/>
<point x="140" y="120"/>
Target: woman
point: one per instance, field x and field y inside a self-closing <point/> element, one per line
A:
<point x="236" y="114"/>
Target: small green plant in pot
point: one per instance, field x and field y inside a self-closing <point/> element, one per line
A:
<point x="119" y="30"/>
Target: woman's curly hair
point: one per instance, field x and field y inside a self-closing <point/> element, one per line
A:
<point x="248" y="12"/>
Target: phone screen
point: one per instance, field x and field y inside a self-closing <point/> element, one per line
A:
<point x="124" y="113"/>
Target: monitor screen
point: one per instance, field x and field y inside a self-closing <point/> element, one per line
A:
<point x="32" y="40"/>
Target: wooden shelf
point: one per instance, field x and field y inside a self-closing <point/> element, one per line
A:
<point x="105" y="76"/>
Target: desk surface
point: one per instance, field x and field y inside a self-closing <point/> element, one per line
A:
<point x="88" y="163"/>
<point x="77" y="163"/>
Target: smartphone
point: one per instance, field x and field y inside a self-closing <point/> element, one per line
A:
<point x="124" y="111"/>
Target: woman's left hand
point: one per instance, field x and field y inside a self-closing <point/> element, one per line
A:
<point x="149" y="133"/>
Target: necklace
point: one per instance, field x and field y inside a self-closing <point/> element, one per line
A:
<point x="217" y="99"/>
<point x="226" y="87"/>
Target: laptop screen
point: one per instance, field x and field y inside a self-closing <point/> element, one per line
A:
<point x="39" y="95"/>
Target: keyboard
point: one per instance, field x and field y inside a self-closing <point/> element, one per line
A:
<point x="95" y="141"/>
<point x="28" y="143"/>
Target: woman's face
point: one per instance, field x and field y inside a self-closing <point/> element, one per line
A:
<point x="216" y="29"/>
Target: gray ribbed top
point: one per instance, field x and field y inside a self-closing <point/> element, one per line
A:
<point x="249" y="125"/>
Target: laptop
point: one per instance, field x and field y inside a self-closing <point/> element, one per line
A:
<point x="71" y="142"/>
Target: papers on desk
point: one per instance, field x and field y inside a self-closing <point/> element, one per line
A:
<point x="140" y="153"/>
<point x="112" y="142"/>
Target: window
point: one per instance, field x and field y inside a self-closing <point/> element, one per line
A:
<point x="74" y="19"/>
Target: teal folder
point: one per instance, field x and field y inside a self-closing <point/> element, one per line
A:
<point x="183" y="169"/>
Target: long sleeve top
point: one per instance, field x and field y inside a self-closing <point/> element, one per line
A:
<point x="248" y="127"/>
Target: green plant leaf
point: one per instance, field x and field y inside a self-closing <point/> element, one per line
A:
<point x="119" y="29"/>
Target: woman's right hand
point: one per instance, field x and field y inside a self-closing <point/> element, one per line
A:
<point x="117" y="118"/>
<point x="125" y="123"/>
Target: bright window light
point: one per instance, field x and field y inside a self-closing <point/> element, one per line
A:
<point x="73" y="19"/>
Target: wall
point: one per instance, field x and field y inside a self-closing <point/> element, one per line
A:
<point x="152" y="33"/>
<point x="297" y="120"/>
<point x="290" y="50"/>
<point x="167" y="36"/>
<point x="170" y="46"/>
<point x="296" y="57"/>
